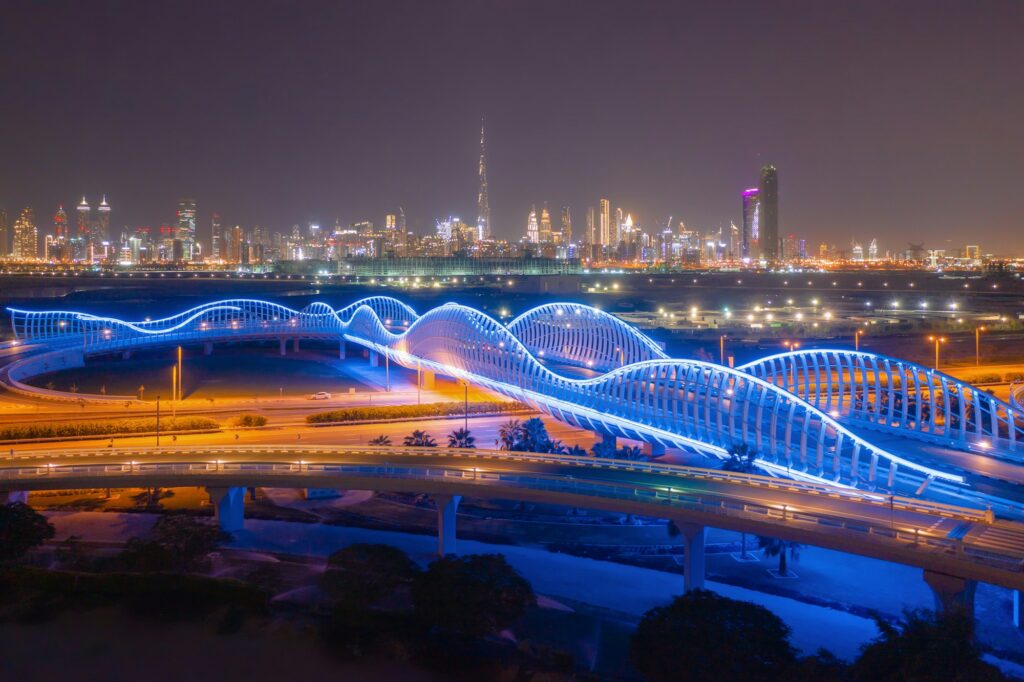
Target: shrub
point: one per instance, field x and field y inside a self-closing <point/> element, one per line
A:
<point x="1014" y="376"/>
<point x="105" y="428"/>
<point x="250" y="420"/>
<point x="987" y="378"/>
<point x="378" y="412"/>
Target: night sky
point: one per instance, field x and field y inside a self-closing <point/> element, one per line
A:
<point x="897" y="120"/>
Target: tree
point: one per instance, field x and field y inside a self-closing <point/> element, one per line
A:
<point x="534" y="436"/>
<point x="603" y="449"/>
<point x="176" y="543"/>
<point x="471" y="595"/>
<point x="380" y="440"/>
<point x="21" y="529"/>
<point x="510" y="433"/>
<point x="577" y="451"/>
<point x="781" y="549"/>
<point x="419" y="439"/>
<point x="742" y="459"/>
<point x="461" y="438"/>
<point x="630" y="452"/>
<point x="362" y="574"/>
<point x="703" y="636"/>
<point x="924" y="646"/>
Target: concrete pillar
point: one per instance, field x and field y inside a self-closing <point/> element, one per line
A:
<point x="12" y="496"/>
<point x="228" y="507"/>
<point x="284" y="345"/>
<point x="446" y="505"/>
<point x="295" y="344"/>
<point x="126" y="355"/>
<point x="427" y="379"/>
<point x="1018" y="613"/>
<point x="375" y="359"/>
<point x="208" y="348"/>
<point x="654" y="449"/>
<point x="341" y="349"/>
<point x="951" y="592"/>
<point x="610" y="442"/>
<point x="693" y="559"/>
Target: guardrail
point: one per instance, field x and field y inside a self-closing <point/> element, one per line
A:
<point x="660" y="494"/>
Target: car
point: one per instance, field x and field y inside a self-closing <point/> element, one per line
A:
<point x="320" y="395"/>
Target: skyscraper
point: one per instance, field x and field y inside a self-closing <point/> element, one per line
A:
<point x="532" y="229"/>
<point x="83" y="236"/>
<point x="215" y="236"/>
<point x="103" y="233"/>
<point x="3" y="232"/>
<point x="606" y="222"/>
<point x="185" y="232"/>
<point x="616" y="233"/>
<point x="768" y="193"/>
<point x="751" y="228"/>
<point x="26" y="236"/>
<point x="60" y="224"/>
<point x="483" y="208"/>
<point x="566" y="225"/>
<point x="591" y="235"/>
<point x="545" y="224"/>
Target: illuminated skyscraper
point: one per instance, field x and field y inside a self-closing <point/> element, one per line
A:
<point x="215" y="237"/>
<point x="103" y="233"/>
<point x="60" y="224"/>
<point x="83" y="235"/>
<point x="483" y="208"/>
<point x="616" y="235"/>
<point x="591" y="236"/>
<point x="751" y="228"/>
<point x="185" y="232"/>
<point x="768" y="193"/>
<point x="26" y="236"/>
<point x="566" y="225"/>
<point x="545" y="224"/>
<point x="3" y="232"/>
<point x="532" y="229"/>
<point x="606" y="222"/>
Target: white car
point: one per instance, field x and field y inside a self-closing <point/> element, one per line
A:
<point x="321" y="395"/>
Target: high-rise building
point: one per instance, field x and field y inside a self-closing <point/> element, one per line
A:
<point x="751" y="227"/>
<point x="606" y="223"/>
<point x="3" y="232"/>
<point x="545" y="224"/>
<point x="26" y="236"/>
<point x="616" y="235"/>
<point x="103" y="221"/>
<point x="185" y="230"/>
<point x="60" y="224"/>
<point x="566" y="225"/>
<point x="591" y="236"/>
<point x="532" y="228"/>
<point x="83" y="236"/>
<point x="215" y="236"/>
<point x="768" y="197"/>
<point x="483" y="208"/>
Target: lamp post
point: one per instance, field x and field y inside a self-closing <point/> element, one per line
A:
<point x="977" y="345"/>
<point x="158" y="421"/>
<point x="856" y="339"/>
<point x="937" y="340"/>
<point x="792" y="346"/>
<point x="721" y="349"/>
<point x="465" y="424"/>
<point x="179" y="373"/>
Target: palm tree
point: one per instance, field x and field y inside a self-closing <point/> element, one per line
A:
<point x="630" y="452"/>
<point x="419" y="439"/>
<point x="577" y="451"/>
<point x="461" y="438"/>
<point x="380" y="440"/>
<point x="510" y="433"/>
<point x="602" y="449"/>
<point x="742" y="459"/>
<point x="534" y="436"/>
<point x="556" y="447"/>
<point x="780" y="548"/>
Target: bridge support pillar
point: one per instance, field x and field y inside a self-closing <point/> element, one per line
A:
<point x="374" y="359"/>
<point x="609" y="441"/>
<point x="283" y="343"/>
<point x="228" y="507"/>
<point x="208" y="348"/>
<point x="951" y="592"/>
<point x="427" y="379"/>
<point x="295" y="345"/>
<point x="693" y="559"/>
<point x="126" y="355"/>
<point x="12" y="496"/>
<point x="1018" y="609"/>
<point x="447" y="506"/>
<point x="654" y="449"/>
<point x="341" y="349"/>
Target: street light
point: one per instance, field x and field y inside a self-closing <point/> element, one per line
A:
<point x="856" y="339"/>
<point x="937" y="340"/>
<point x="977" y="345"/>
<point x="721" y="349"/>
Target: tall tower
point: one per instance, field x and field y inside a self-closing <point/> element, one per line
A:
<point x="26" y="236"/>
<point x="483" y="208"/>
<point x="186" y="228"/>
<point x="751" y="239"/>
<point x="591" y="236"/>
<point x="566" y="225"/>
<point x="104" y="221"/>
<point x="3" y="232"/>
<point x="768" y="191"/>
<point x="606" y="223"/>
<point x="545" y="224"/>
<point x="532" y="229"/>
<point x="215" y="237"/>
<point x="60" y="224"/>
<point x="84" y="214"/>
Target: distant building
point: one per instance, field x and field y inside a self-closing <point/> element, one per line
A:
<point x="768" y="199"/>
<point x="103" y="221"/>
<point x="483" y="207"/>
<point x="185" y="231"/>
<point x="751" y="225"/>
<point x="532" y="227"/>
<point x="566" y="224"/>
<point x="26" y="236"/>
<point x="545" y="225"/>
<point x="606" y="223"/>
<point x="3" y="233"/>
<point x="215" y="237"/>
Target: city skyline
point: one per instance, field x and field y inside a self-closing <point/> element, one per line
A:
<point x="300" y="155"/>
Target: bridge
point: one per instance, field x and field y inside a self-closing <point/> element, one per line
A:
<point x="954" y="545"/>
<point x="837" y="417"/>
